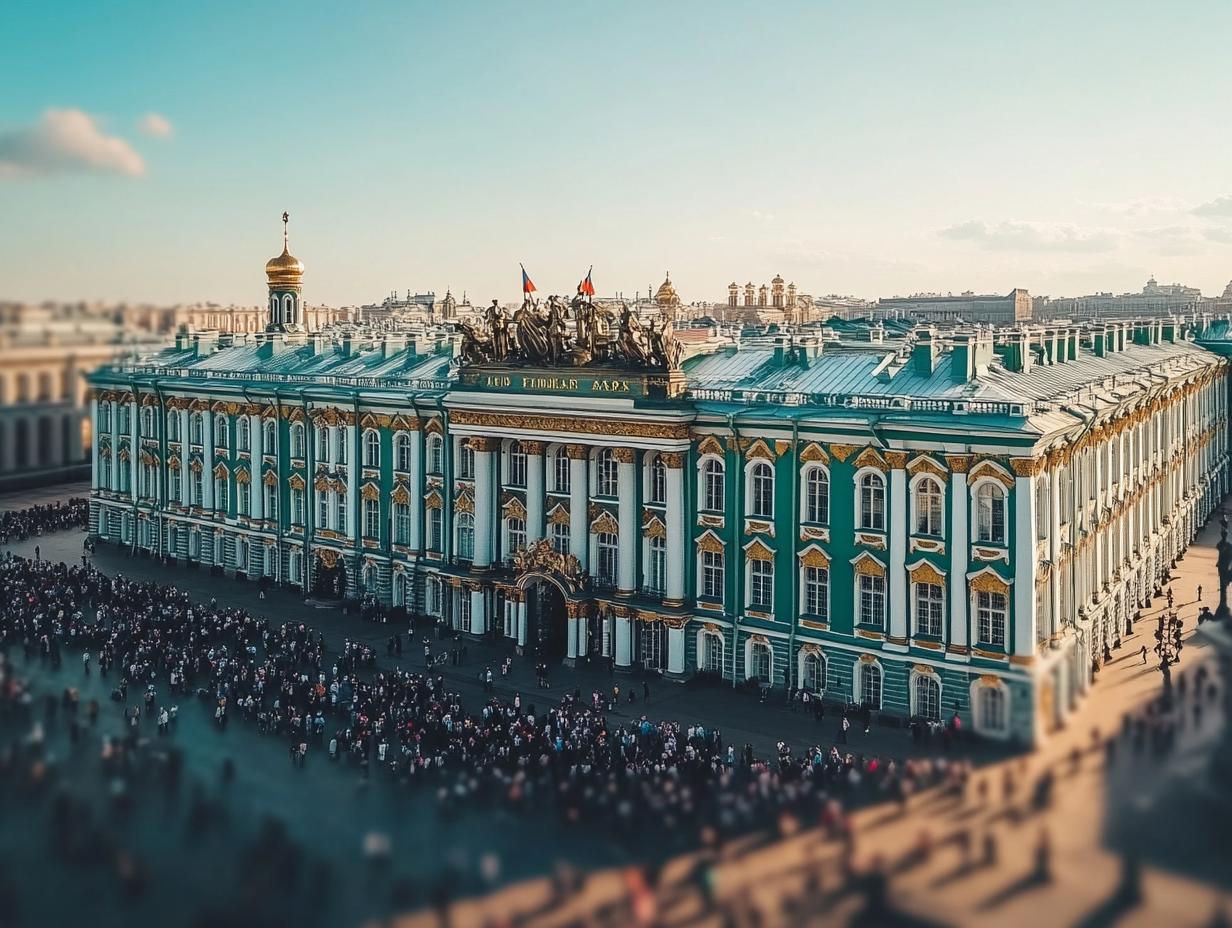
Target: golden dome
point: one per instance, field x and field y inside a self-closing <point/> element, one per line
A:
<point x="286" y="271"/>
<point x="666" y="294"/>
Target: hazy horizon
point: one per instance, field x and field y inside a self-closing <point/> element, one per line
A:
<point x="864" y="149"/>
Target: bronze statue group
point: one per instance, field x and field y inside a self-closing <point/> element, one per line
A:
<point x="578" y="333"/>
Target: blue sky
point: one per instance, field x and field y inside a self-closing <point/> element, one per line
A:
<point x="854" y="147"/>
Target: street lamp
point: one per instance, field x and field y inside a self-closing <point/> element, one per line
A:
<point x="1168" y="643"/>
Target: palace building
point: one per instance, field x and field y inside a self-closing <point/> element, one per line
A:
<point x="951" y="522"/>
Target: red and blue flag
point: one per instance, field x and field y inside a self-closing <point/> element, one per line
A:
<point x="528" y="285"/>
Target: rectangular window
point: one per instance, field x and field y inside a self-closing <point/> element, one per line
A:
<point x="761" y="585"/>
<point x="402" y="524"/>
<point x="195" y="488"/>
<point x="220" y="494"/>
<point x="560" y="537"/>
<point x="517" y="468"/>
<point x="817" y="592"/>
<point x="323" y="510"/>
<point x="242" y="498"/>
<point x="466" y="462"/>
<point x="271" y="501"/>
<point x="173" y="483"/>
<point x="990" y="610"/>
<point x="872" y="600"/>
<point x="560" y="467"/>
<point x="372" y="518"/>
<point x="929" y="609"/>
<point x="712" y="575"/>
<point x="435" y="539"/>
<point x="656" y="567"/>
<point x="341" y="506"/>
<point x="297" y="507"/>
<point x="607" y="558"/>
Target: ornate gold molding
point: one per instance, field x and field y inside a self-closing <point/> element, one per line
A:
<point x="580" y="424"/>
<point x="625" y="455"/>
<point x="925" y="572"/>
<point x="710" y="543"/>
<point x="814" y="557"/>
<point x="988" y="469"/>
<point x="759" y="551"/>
<point x="842" y="452"/>
<point x="870" y="458"/>
<point x="896" y="459"/>
<point x="814" y="452"/>
<point x="986" y="581"/>
<point x="1027" y="467"/>
<point x="673" y="460"/>
<point x="710" y="445"/>
<point x="577" y="452"/>
<point x="868" y="566"/>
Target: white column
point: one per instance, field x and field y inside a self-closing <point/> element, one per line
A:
<point x="571" y="630"/>
<point x="94" y="436"/>
<point x="417" y="490"/>
<point x="899" y="504"/>
<point x="1054" y="551"/>
<point x="134" y="451"/>
<point x="352" y="483"/>
<point x="207" y="472"/>
<point x="1024" y="558"/>
<point x="479" y="623"/>
<point x="675" y="649"/>
<point x="257" y="486"/>
<point x="583" y="644"/>
<point x="960" y="549"/>
<point x="485" y="521"/>
<point x="579" y="504"/>
<point x="677" y="532"/>
<point x="624" y="641"/>
<point x="534" y="490"/>
<point x="627" y="517"/>
<point x="116" y="463"/>
<point x="522" y="621"/>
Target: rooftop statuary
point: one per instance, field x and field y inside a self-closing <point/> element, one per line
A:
<point x="574" y="334"/>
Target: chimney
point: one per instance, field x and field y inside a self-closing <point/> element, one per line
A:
<point x="1071" y="344"/>
<point x="971" y="355"/>
<point x="1168" y="329"/>
<point x="1099" y="335"/>
<point x="1016" y="351"/>
<point x="924" y="350"/>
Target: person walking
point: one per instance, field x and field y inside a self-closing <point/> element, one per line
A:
<point x="1142" y="653"/>
<point x="1199" y="592"/>
<point x="843" y="726"/>
<point x="85" y="662"/>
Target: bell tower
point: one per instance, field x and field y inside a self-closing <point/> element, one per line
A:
<point x="285" y="275"/>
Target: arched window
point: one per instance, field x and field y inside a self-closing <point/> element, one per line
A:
<point x="560" y="471"/>
<point x="658" y="480"/>
<point x="243" y="437"/>
<point x="760" y="662"/>
<point x="871" y="515"/>
<point x="927" y="697"/>
<point x="465" y="527"/>
<point x="194" y="428"/>
<point x="297" y="440"/>
<point x="990" y="513"/>
<point x="402" y="452"/>
<point x="814" y="677"/>
<point x="992" y="710"/>
<point x="606" y="473"/>
<point x="372" y="448"/>
<point x="243" y="498"/>
<point x="817" y="496"/>
<point x="344" y="445"/>
<point x="436" y="463"/>
<point x="270" y="441"/>
<point x="372" y="518"/>
<point x="323" y="443"/>
<point x="607" y="544"/>
<point x="220" y="431"/>
<point x="711" y="658"/>
<point x="466" y="460"/>
<point x="517" y="465"/>
<point x="712" y="485"/>
<point x="928" y="507"/>
<point x="399" y="591"/>
<point x="173" y="426"/>
<point x="761" y="490"/>
<point x="870" y="686"/>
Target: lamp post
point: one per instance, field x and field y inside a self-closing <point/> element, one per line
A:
<point x="1168" y="644"/>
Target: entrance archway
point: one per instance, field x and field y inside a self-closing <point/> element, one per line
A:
<point x="329" y="580"/>
<point x="547" y="627"/>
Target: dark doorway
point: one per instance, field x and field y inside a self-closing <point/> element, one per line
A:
<point x="548" y="630"/>
<point x="329" y="582"/>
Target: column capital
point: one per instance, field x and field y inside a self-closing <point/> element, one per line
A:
<point x="896" y="459"/>
<point x="1027" y="467"/>
<point x="625" y="455"/>
<point x="533" y="447"/>
<point x="958" y="463"/>
<point x="577" y="452"/>
<point x="483" y="443"/>
<point x="674" y="460"/>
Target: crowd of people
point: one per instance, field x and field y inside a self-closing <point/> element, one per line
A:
<point x="33" y="521"/>
<point x="163" y="648"/>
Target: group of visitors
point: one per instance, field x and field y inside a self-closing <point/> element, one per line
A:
<point x="21" y="524"/>
<point x="571" y="756"/>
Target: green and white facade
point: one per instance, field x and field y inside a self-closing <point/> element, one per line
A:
<point x="933" y="523"/>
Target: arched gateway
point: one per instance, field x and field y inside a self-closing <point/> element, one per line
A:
<point x="555" y="599"/>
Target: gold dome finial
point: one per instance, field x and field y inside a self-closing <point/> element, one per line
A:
<point x="286" y="271"/>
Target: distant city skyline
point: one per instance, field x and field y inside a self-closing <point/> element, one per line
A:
<point x="870" y="150"/>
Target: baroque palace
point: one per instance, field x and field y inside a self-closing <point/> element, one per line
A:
<point x="952" y="522"/>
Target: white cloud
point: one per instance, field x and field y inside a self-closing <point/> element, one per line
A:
<point x="63" y="141"/>
<point x="1027" y="235"/>
<point x="1220" y="206"/>
<point x="156" y="125"/>
<point x="1141" y="206"/>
